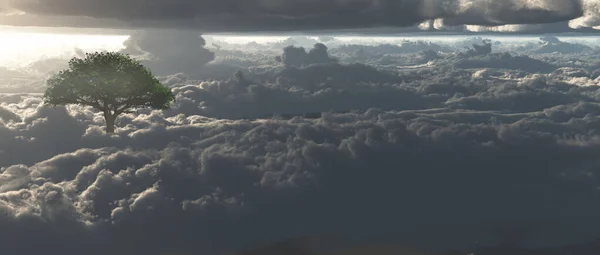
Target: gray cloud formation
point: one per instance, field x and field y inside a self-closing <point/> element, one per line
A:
<point x="591" y="17"/>
<point x="297" y="56"/>
<point x="279" y="15"/>
<point x="169" y="51"/>
<point x="436" y="156"/>
<point x="196" y="184"/>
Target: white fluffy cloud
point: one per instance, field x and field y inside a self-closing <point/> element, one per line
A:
<point x="591" y="15"/>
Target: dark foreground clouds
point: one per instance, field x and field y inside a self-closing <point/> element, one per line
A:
<point x="200" y="184"/>
<point x="435" y="157"/>
<point x="410" y="145"/>
<point x="277" y="15"/>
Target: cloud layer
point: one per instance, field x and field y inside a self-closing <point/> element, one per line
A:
<point x="279" y="15"/>
<point x="404" y="146"/>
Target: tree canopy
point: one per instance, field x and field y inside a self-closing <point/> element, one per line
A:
<point x="110" y="82"/>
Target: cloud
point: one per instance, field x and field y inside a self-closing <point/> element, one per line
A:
<point x="297" y="56"/>
<point x="479" y="50"/>
<point x="168" y="52"/>
<point x="437" y="157"/>
<point x="355" y="173"/>
<point x="481" y="56"/>
<point x="380" y="50"/>
<point x="8" y="115"/>
<point x="13" y="81"/>
<point x="278" y="15"/>
<point x="551" y="44"/>
<point x="504" y="28"/>
<point x="506" y="61"/>
<point x="590" y="17"/>
<point x="508" y="12"/>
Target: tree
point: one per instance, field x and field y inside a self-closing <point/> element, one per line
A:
<point x="110" y="82"/>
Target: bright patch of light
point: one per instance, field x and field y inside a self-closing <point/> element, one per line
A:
<point x="240" y="39"/>
<point x="19" y="49"/>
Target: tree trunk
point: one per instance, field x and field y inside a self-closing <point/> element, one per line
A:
<point x="110" y="123"/>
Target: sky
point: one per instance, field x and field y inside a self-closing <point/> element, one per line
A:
<point x="430" y="124"/>
<point x="22" y="48"/>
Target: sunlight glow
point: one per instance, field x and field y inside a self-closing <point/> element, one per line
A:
<point x="18" y="49"/>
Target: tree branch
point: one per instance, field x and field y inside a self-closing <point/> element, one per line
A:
<point x="128" y="104"/>
<point x="82" y="101"/>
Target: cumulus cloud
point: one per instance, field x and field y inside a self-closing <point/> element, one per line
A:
<point x="8" y="115"/>
<point x="504" y="28"/>
<point x="509" y="12"/>
<point x="436" y="156"/>
<point x="297" y="56"/>
<point x="406" y="54"/>
<point x="479" y="50"/>
<point x="506" y="61"/>
<point x="355" y="173"/>
<point x="481" y="56"/>
<point x="298" y="41"/>
<point x="590" y="17"/>
<point x="551" y="44"/>
<point x="168" y="52"/>
<point x="232" y="15"/>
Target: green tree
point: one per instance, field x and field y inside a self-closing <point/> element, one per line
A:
<point x="110" y="82"/>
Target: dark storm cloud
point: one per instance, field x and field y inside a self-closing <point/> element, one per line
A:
<point x="279" y="15"/>
<point x="511" y="12"/>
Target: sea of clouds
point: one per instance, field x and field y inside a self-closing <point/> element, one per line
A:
<point x="426" y="143"/>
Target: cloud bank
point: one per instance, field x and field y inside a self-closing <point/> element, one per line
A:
<point x="169" y="51"/>
<point x="279" y="15"/>
<point x="375" y="146"/>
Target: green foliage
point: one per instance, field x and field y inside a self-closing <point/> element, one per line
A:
<point x="110" y="82"/>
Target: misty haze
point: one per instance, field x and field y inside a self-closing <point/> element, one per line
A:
<point x="316" y="127"/>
